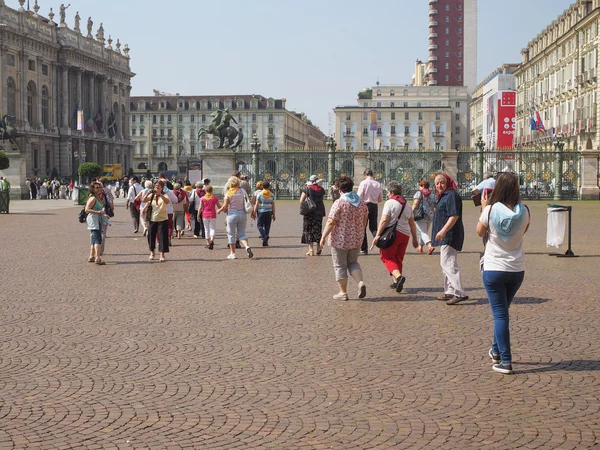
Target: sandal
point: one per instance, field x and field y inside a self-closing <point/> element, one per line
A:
<point x="431" y="250"/>
<point x="161" y="259"/>
<point x="420" y="249"/>
<point x="91" y="259"/>
<point x="151" y="256"/>
<point x="310" y="253"/>
<point x="100" y="262"/>
<point x="319" y="250"/>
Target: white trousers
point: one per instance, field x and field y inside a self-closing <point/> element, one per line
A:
<point x="423" y="226"/>
<point x="209" y="228"/>
<point x="449" y="263"/>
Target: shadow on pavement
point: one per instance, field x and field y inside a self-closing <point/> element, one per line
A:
<point x="577" y="365"/>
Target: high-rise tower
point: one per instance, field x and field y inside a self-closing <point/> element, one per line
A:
<point x="453" y="43"/>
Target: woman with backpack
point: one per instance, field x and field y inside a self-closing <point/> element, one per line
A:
<point x="423" y="208"/>
<point x="96" y="219"/>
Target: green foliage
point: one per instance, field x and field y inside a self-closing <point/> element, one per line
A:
<point x="89" y="170"/>
<point x="4" y="161"/>
<point x="367" y="94"/>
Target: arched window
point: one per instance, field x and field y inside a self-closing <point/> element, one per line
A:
<point x="11" y="97"/>
<point x="31" y="103"/>
<point x="378" y="92"/>
<point x="162" y="167"/>
<point x="116" y="114"/>
<point x="405" y="92"/>
<point x="392" y="93"/>
<point x="142" y="166"/>
<point x="45" y="103"/>
<point x="123" y="120"/>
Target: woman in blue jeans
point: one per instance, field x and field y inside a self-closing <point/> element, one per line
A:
<point x="505" y="221"/>
<point x="234" y="205"/>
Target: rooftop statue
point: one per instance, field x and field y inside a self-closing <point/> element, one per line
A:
<point x="220" y="127"/>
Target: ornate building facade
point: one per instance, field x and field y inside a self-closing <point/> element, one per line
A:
<point x="164" y="128"/>
<point x="48" y="73"/>
<point x="397" y="117"/>
<point x="558" y="78"/>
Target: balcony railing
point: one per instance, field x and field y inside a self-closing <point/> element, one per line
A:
<point x="438" y="134"/>
<point x="433" y="12"/>
<point x="432" y="70"/>
<point x="433" y="35"/>
<point x="348" y="135"/>
<point x="433" y="23"/>
<point x="433" y="47"/>
<point x="433" y="58"/>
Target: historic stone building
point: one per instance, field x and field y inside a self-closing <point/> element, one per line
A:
<point x="164" y="128"/>
<point x="48" y="72"/>
<point x="397" y="117"/>
<point x="558" y="78"/>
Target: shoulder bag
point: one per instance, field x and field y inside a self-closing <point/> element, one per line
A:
<point x="308" y="206"/>
<point x="388" y="236"/>
<point x="419" y="212"/>
<point x="82" y="215"/>
<point x="247" y="204"/>
<point x="147" y="211"/>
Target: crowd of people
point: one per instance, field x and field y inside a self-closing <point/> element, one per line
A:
<point x="166" y="211"/>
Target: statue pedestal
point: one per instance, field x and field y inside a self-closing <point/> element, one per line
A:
<point x="16" y="174"/>
<point x="217" y="165"/>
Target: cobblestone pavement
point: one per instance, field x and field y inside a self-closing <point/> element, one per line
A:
<point x="203" y="352"/>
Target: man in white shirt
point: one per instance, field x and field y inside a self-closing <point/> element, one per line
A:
<point x="488" y="183"/>
<point x="134" y="190"/>
<point x="371" y="193"/>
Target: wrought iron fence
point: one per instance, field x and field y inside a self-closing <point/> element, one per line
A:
<point x="536" y="170"/>
<point x="408" y="168"/>
<point x="288" y="171"/>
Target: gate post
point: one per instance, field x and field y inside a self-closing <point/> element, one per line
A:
<point x="480" y="145"/>
<point x="450" y="163"/>
<point x="558" y="163"/>
<point x="331" y="145"/>
<point x="589" y="175"/>
<point x="255" y="145"/>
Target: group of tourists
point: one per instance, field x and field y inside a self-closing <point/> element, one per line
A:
<point x="46" y="189"/>
<point x="503" y="223"/>
<point x="433" y="220"/>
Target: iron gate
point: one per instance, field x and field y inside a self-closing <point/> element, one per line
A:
<point x="406" y="167"/>
<point x="288" y="171"/>
<point x="536" y="171"/>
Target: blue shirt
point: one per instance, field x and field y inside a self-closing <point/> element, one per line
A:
<point x="490" y="183"/>
<point x="450" y="204"/>
<point x="265" y="205"/>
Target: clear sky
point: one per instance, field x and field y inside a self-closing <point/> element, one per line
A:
<point x="316" y="53"/>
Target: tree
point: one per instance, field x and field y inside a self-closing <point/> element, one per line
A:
<point x="89" y="170"/>
<point x="366" y="94"/>
<point x="4" y="161"/>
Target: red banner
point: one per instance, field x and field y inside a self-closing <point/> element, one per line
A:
<point x="507" y="121"/>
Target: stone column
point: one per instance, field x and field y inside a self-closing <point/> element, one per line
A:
<point x="589" y="175"/>
<point x="3" y="96"/>
<point x="23" y="83"/>
<point x="102" y="101"/>
<point x="450" y="163"/>
<point x="79" y="89"/>
<point x="38" y="96"/>
<point x="65" y="96"/>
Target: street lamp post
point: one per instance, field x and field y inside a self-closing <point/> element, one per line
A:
<point x="331" y="146"/>
<point x="255" y="146"/>
<point x="559" y="145"/>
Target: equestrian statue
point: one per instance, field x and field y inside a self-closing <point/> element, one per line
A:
<point x="8" y="131"/>
<point x="219" y="126"/>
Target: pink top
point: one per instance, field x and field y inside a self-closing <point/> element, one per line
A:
<point x="349" y="229"/>
<point x="209" y="207"/>
<point x="370" y="191"/>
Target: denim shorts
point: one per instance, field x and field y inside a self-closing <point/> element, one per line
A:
<point x="96" y="236"/>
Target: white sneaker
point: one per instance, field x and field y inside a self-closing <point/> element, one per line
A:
<point x="231" y="256"/>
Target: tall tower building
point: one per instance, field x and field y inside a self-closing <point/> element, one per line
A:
<point x="453" y="43"/>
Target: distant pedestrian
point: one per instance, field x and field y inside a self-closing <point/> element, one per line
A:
<point x="96" y="220"/>
<point x="179" y="210"/>
<point x="449" y="235"/>
<point x="334" y="190"/>
<point x="132" y="204"/>
<point x="159" y="222"/>
<point x="369" y="190"/>
<point x="505" y="220"/>
<point x="264" y="210"/>
<point x="207" y="214"/>
<point x="345" y="228"/>
<point x="424" y="206"/>
<point x="195" y="204"/>
<point x="140" y="197"/>
<point x="312" y="224"/>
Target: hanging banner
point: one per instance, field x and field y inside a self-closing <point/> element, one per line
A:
<point x="79" y="120"/>
<point x="373" y="120"/>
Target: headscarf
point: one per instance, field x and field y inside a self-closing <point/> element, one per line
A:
<point x="352" y="198"/>
<point x="450" y="185"/>
<point x="315" y="187"/>
<point x="426" y="192"/>
<point x="231" y="191"/>
<point x="399" y="199"/>
<point x="507" y="221"/>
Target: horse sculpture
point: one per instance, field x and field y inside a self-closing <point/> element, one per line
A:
<point x="8" y="131"/>
<point x="220" y="128"/>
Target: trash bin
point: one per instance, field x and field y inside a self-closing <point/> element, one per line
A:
<point x="82" y="194"/>
<point x="4" y="201"/>
<point x="558" y="217"/>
